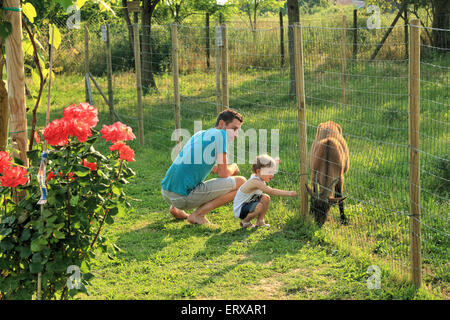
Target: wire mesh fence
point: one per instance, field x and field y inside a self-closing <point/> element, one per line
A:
<point x="367" y="97"/>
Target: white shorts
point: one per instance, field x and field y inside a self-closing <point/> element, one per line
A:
<point x="202" y="193"/>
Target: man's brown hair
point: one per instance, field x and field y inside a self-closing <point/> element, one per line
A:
<point x="228" y="116"/>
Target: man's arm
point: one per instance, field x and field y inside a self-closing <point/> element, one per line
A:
<point x="223" y="169"/>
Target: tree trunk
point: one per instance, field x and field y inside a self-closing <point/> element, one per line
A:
<point x="148" y="79"/>
<point x="128" y="21"/>
<point x="208" y="46"/>
<point x="293" y="17"/>
<point x="441" y="20"/>
<point x="281" y="38"/>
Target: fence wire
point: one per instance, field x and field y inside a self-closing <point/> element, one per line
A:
<point x="367" y="97"/>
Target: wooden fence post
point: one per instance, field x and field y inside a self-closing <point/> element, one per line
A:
<point x="344" y="62"/>
<point x="110" y="73"/>
<point x="300" y="92"/>
<point x="16" y="81"/>
<point x="218" y="62"/>
<point x="175" y="71"/>
<point x="414" y="156"/>
<point x="137" y="64"/>
<point x="225" y="90"/>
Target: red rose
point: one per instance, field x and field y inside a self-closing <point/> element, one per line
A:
<point x="5" y="161"/>
<point x="78" y="128"/>
<point x="126" y="153"/>
<point x="117" y="132"/>
<point x="50" y="176"/>
<point x="83" y="112"/>
<point x="117" y="146"/>
<point x="14" y="176"/>
<point x="90" y="165"/>
<point x="56" y="132"/>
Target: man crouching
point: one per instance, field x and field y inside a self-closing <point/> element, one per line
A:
<point x="183" y="185"/>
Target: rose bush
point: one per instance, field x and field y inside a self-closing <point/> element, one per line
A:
<point x="84" y="191"/>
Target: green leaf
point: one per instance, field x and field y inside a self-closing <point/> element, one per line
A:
<point x="29" y="11"/>
<point x="81" y="171"/>
<point x="38" y="244"/>
<point x="36" y="267"/>
<point x="56" y="37"/>
<point x="5" y="29"/>
<point x="26" y="234"/>
<point x="6" y="244"/>
<point x="35" y="77"/>
<point x="5" y="232"/>
<point x="58" y="234"/>
<point x="115" y="190"/>
<point x="74" y="200"/>
<point x="24" y="252"/>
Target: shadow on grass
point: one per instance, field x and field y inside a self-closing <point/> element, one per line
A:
<point x="288" y="240"/>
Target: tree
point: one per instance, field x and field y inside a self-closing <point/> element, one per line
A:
<point x="148" y="78"/>
<point x="441" y="21"/>
<point x="439" y="10"/>
<point x="253" y="8"/>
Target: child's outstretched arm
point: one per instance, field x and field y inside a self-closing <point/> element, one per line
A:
<point x="271" y="191"/>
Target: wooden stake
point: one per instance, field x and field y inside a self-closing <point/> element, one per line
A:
<point x="225" y="98"/>
<point x="301" y="104"/>
<point x="355" y="33"/>
<point x="137" y="59"/>
<point x="414" y="156"/>
<point x="344" y="62"/>
<point x="4" y="112"/>
<point x="175" y="71"/>
<point x="16" y="81"/>
<point x="86" y="62"/>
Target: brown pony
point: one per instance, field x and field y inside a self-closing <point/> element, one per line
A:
<point x="328" y="160"/>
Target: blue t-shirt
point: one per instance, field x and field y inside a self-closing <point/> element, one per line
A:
<point x="195" y="161"/>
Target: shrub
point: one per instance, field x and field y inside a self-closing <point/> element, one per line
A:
<point x="50" y="225"/>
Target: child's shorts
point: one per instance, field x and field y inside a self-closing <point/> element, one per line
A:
<point x="249" y="206"/>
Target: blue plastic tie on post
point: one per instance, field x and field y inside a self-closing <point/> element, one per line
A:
<point x="41" y="178"/>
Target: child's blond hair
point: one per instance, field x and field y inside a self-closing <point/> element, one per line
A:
<point x="263" y="161"/>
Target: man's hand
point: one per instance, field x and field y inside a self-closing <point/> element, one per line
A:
<point x="235" y="167"/>
<point x="215" y="169"/>
<point x="293" y="193"/>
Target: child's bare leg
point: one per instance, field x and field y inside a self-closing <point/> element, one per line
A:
<point x="178" y="213"/>
<point x="260" y="209"/>
<point x="198" y="216"/>
<point x="265" y="201"/>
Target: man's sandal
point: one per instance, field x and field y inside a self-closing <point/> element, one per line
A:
<point x="263" y="225"/>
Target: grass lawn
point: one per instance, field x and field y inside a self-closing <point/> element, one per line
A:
<point x="161" y="258"/>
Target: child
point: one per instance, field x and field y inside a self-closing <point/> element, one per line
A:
<point x="252" y="199"/>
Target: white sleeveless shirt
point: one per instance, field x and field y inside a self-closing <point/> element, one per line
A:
<point x="241" y="197"/>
